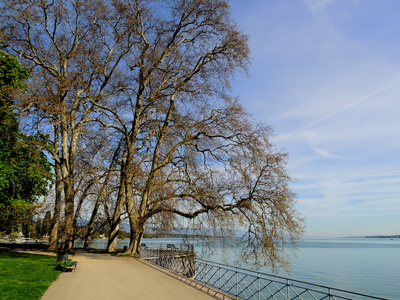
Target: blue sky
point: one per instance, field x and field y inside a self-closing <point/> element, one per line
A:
<point x="325" y="75"/>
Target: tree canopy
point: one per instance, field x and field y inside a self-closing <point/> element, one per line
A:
<point x="24" y="169"/>
<point x="134" y="97"/>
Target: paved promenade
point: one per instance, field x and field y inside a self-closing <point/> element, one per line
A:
<point x="103" y="277"/>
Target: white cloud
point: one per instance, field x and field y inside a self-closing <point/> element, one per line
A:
<point x="332" y="96"/>
<point x="318" y="5"/>
<point x="326" y="154"/>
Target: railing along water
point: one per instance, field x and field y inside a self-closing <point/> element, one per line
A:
<point x="246" y="284"/>
<point x="242" y="283"/>
<point x="180" y="260"/>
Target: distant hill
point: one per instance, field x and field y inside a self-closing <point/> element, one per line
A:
<point x="383" y="236"/>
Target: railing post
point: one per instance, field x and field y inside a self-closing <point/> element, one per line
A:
<point x="219" y="277"/>
<point x="287" y="289"/>
<point x="237" y="283"/>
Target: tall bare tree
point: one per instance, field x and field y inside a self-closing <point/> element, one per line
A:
<point x="73" y="55"/>
<point x="190" y="150"/>
<point x="156" y="75"/>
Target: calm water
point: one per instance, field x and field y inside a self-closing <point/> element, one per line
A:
<point x="368" y="266"/>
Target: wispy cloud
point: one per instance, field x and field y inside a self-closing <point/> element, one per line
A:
<point x="318" y="5"/>
<point x="332" y="94"/>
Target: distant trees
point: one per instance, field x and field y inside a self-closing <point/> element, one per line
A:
<point x="24" y="169"/>
<point x="133" y="100"/>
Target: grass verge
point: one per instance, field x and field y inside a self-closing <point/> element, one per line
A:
<point x="25" y="276"/>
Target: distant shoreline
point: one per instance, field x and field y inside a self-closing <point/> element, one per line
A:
<point x="396" y="236"/>
<point x="383" y="236"/>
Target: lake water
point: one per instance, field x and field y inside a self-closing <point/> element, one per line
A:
<point x="368" y="266"/>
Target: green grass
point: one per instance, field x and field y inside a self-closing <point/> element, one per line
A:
<point x="25" y="276"/>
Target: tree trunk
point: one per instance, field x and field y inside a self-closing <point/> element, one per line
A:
<point x="68" y="145"/>
<point x="79" y="207"/>
<point x="67" y="239"/>
<point x="116" y="220"/>
<point x="90" y="224"/>
<point x="100" y="196"/>
<point x="135" y="242"/>
<point x="55" y="223"/>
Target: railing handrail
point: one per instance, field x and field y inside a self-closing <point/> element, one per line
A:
<point x="261" y="274"/>
<point x="192" y="267"/>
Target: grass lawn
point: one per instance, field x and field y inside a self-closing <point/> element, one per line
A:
<point x="25" y="276"/>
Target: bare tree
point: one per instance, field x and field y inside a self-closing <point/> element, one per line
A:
<point x="61" y="42"/>
<point x="190" y="150"/>
<point x="156" y="75"/>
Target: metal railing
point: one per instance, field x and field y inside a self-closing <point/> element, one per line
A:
<point x="180" y="260"/>
<point x="246" y="284"/>
<point x="242" y="283"/>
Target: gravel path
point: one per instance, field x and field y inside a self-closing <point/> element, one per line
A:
<point x="106" y="277"/>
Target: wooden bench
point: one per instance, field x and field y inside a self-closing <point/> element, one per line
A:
<point x="65" y="263"/>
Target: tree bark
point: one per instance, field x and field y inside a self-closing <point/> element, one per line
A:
<point x="55" y="224"/>
<point x="116" y="220"/>
<point x="68" y="234"/>
<point x="135" y="242"/>
<point x="90" y="225"/>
